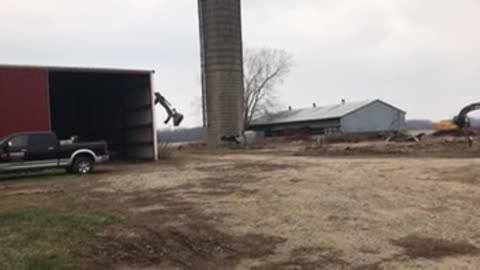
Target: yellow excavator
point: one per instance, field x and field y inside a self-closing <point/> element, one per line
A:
<point x="459" y="122"/>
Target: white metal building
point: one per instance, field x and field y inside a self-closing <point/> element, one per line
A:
<point x="354" y="117"/>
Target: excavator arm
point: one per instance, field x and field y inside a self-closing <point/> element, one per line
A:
<point x="171" y="112"/>
<point x="461" y="120"/>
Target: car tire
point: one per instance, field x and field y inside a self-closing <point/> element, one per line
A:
<point x="82" y="165"/>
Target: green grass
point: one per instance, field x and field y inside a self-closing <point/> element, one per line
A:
<point x="43" y="240"/>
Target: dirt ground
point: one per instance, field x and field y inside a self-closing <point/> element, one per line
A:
<point x="266" y="211"/>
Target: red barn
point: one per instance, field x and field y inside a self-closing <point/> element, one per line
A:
<point x="95" y="104"/>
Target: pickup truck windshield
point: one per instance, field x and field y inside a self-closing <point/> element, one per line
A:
<point x="2" y="140"/>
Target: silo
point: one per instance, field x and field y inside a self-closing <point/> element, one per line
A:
<point x="222" y="67"/>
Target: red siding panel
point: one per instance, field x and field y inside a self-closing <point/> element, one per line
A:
<point x="24" y="104"/>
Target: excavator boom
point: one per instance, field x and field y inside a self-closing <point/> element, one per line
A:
<point x="171" y="112"/>
<point x="461" y="120"/>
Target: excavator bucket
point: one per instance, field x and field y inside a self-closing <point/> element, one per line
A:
<point x="177" y="119"/>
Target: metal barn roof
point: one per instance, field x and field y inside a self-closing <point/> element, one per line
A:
<point x="314" y="114"/>
<point x="81" y="69"/>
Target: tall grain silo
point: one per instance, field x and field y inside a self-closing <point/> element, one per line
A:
<point x="222" y="68"/>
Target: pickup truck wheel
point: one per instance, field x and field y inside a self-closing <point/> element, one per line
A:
<point x="82" y="165"/>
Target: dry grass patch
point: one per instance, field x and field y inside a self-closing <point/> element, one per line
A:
<point x="317" y="258"/>
<point x="165" y="152"/>
<point x="189" y="246"/>
<point x="469" y="175"/>
<point x="311" y="258"/>
<point x="431" y="248"/>
<point x="257" y="167"/>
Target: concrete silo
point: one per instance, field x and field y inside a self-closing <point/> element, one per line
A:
<point x="222" y="67"/>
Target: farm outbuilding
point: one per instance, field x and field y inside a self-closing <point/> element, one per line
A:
<point x="94" y="104"/>
<point x="347" y="118"/>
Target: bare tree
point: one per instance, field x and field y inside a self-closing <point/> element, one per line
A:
<point x="264" y="70"/>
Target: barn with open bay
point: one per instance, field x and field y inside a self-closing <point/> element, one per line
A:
<point x="115" y="105"/>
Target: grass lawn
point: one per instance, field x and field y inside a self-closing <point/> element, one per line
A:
<point x="42" y="239"/>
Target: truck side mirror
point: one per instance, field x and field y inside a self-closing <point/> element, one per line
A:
<point x="5" y="147"/>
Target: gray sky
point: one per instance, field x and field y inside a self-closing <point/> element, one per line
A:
<point x="420" y="55"/>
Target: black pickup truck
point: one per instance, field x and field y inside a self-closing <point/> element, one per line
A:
<point x="42" y="150"/>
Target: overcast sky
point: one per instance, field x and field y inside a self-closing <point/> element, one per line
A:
<point x="420" y="55"/>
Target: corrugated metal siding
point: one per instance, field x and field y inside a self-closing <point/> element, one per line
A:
<point x="320" y="124"/>
<point x="311" y="114"/>
<point x="319" y="127"/>
<point x="376" y="117"/>
<point x="23" y="100"/>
